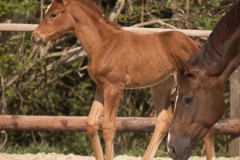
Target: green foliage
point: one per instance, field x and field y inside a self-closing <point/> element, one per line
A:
<point x="25" y="6"/>
<point x="204" y="16"/>
<point x="9" y="8"/>
<point x="5" y="9"/>
<point x="73" y="142"/>
<point x="205" y="21"/>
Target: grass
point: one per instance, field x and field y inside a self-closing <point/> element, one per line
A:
<point x="42" y="147"/>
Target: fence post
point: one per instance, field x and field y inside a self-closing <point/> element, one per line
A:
<point x="235" y="110"/>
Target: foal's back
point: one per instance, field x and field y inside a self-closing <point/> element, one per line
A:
<point x="145" y="60"/>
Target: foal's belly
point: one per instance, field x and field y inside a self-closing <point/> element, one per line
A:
<point x="137" y="81"/>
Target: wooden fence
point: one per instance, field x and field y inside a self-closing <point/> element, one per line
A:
<point x="74" y="123"/>
<point x="31" y="27"/>
<point x="129" y="124"/>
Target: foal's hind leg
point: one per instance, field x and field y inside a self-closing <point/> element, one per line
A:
<point x="92" y="124"/>
<point x="161" y="100"/>
<point x="209" y="145"/>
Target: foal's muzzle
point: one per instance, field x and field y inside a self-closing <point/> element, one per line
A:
<point x="36" y="39"/>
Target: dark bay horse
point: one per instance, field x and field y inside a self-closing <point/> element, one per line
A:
<point x="199" y="101"/>
<point x="118" y="60"/>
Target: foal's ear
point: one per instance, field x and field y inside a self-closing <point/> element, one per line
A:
<point x="181" y="65"/>
<point x="64" y="2"/>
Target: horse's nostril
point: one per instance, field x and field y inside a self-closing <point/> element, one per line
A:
<point x="172" y="152"/>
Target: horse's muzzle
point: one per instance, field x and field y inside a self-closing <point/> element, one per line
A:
<point x="175" y="155"/>
<point x="179" y="143"/>
<point x="36" y="39"/>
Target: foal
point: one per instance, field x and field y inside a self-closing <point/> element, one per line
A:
<point x="118" y="60"/>
<point x="200" y="81"/>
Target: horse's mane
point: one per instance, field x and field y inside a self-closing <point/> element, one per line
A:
<point x="95" y="8"/>
<point x="213" y="48"/>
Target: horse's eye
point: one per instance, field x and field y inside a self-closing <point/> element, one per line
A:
<point x="53" y="15"/>
<point x="188" y="100"/>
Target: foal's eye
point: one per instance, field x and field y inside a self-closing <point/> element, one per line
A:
<point x="53" y="15"/>
<point x="188" y="100"/>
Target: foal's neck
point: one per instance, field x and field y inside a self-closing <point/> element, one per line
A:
<point x="91" y="29"/>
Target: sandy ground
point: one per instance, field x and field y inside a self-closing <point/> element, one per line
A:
<point x="53" y="156"/>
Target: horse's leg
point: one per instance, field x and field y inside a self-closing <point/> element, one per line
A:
<point x="112" y="96"/>
<point x="161" y="99"/>
<point x="92" y="124"/>
<point x="209" y="145"/>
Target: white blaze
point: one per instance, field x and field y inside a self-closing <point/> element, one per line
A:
<point x="176" y="101"/>
<point x="169" y="136"/>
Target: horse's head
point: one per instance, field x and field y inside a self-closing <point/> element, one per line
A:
<point x="56" y="21"/>
<point x="199" y="105"/>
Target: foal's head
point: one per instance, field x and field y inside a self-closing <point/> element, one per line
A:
<point x="56" y="21"/>
<point x="199" y="104"/>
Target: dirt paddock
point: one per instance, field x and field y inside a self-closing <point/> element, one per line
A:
<point x="53" y="156"/>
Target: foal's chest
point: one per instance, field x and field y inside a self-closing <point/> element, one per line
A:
<point x="98" y="70"/>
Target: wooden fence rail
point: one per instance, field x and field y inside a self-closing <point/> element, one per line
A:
<point x="31" y="27"/>
<point x="74" y="123"/>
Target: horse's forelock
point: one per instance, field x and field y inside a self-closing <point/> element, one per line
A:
<point x="187" y="81"/>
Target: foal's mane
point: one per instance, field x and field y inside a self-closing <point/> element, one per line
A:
<point x="95" y="8"/>
<point x="212" y="49"/>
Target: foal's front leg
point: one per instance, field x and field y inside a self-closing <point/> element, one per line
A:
<point x="112" y="94"/>
<point x="209" y="145"/>
<point x="92" y="124"/>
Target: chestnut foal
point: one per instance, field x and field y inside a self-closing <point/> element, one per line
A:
<point x="118" y="60"/>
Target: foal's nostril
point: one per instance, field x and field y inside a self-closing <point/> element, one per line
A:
<point x="36" y="39"/>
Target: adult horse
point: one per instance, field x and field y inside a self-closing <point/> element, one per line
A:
<point x="199" y="101"/>
<point x="118" y="59"/>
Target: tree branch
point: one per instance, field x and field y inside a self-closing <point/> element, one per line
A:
<point x="116" y="10"/>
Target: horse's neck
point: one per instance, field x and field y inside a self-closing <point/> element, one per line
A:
<point x="220" y="55"/>
<point x="224" y="65"/>
<point x="233" y="63"/>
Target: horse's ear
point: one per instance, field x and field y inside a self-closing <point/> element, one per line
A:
<point x="64" y="2"/>
<point x="181" y="65"/>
